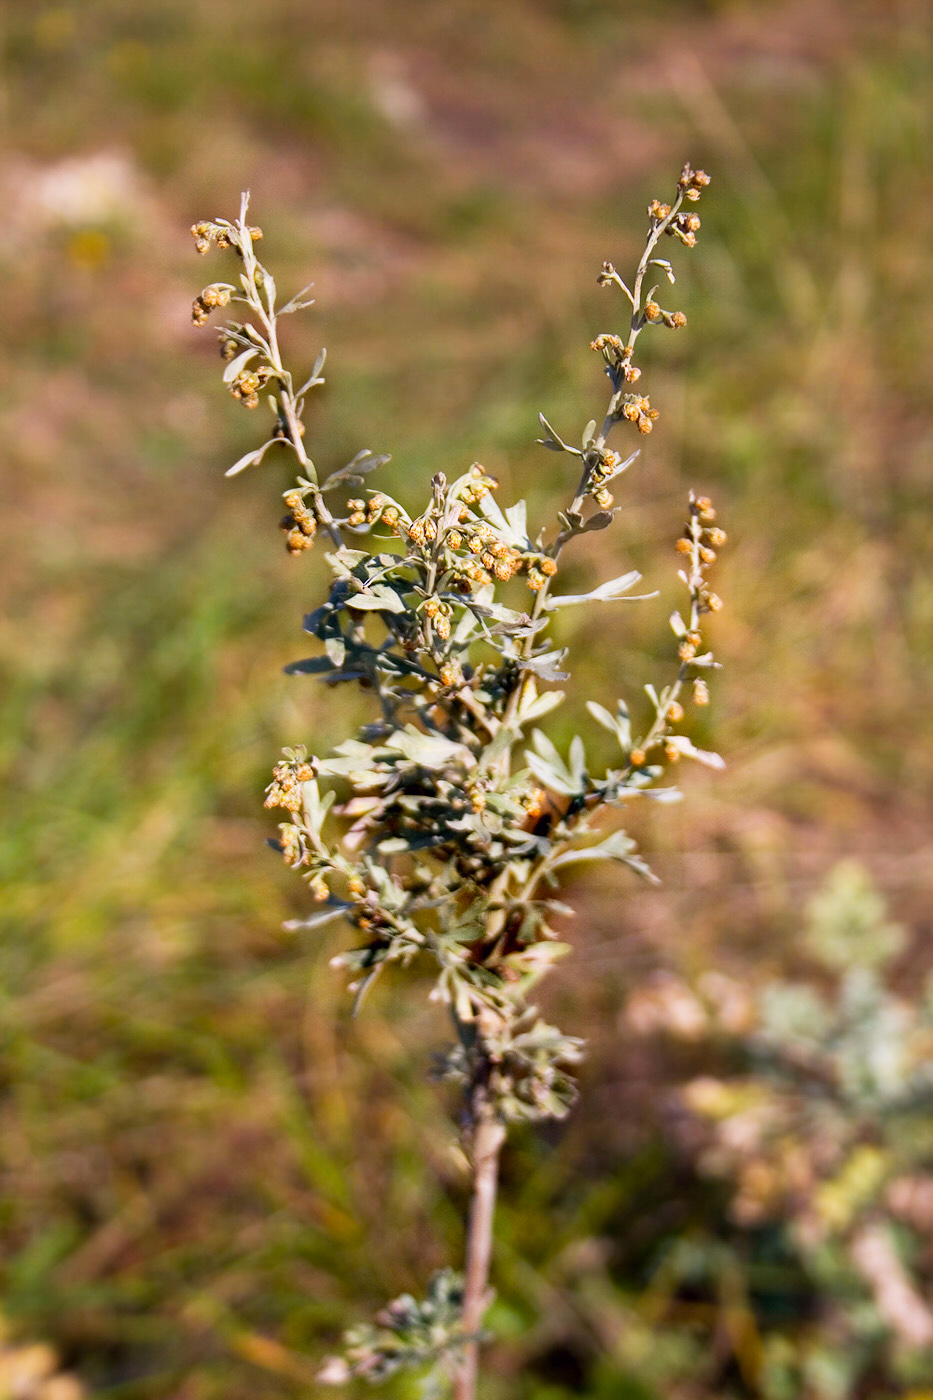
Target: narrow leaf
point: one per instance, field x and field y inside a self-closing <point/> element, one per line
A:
<point x="238" y="363"/>
<point x="250" y="459"/>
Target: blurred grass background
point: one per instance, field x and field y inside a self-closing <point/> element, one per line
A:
<point x="206" y="1171"/>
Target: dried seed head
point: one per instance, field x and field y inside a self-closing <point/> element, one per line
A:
<point x="700" y="692"/>
<point x="652" y="311"/>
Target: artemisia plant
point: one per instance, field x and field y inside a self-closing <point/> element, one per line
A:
<point x="441" y="830"/>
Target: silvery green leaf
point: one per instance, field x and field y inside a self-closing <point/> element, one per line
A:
<point x="250" y="459"/>
<point x="343" y="561"/>
<point x="554" y="441"/>
<point x="323" y="916"/>
<point x="546" y="666"/>
<point x="577" y="762"/>
<point x="489" y="507"/>
<point x="517" y="516"/>
<point x="315" y="806"/>
<point x="616" y="846"/>
<point x="268" y="282"/>
<point x="602" y="715"/>
<point x="589" y="433"/>
<point x="612" y="589"/>
<point x="678" y="626"/>
<point x="238" y="363"/>
<point x="379" y="598"/>
<point x="683" y="745"/>
<point x="539" y="705"/>
<point x="665" y="266"/>
<point x="652" y="695"/>
<point x="431" y="750"/>
<point x="314" y="377"/>
<point x="572" y="776"/>
<point x="352" y="473"/>
<point x="599" y="520"/>
<point x="296" y="304"/>
<point x="557" y="781"/>
<point x="336" y="649"/>
<point x="464" y="628"/>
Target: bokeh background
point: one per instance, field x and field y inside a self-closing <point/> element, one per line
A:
<point x="206" y="1170"/>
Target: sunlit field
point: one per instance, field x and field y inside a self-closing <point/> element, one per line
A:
<point x="207" y="1169"/>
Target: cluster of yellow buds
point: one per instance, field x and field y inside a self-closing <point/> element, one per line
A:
<point x="229" y="348"/>
<point x="692" y="181"/>
<point x="294" y="844"/>
<point x="701" y="538"/>
<point x="658" y="210"/>
<point x="206" y="233"/>
<point x="637" y="409"/>
<point x="440" y="614"/>
<point x="319" y="889"/>
<point x="685" y="227"/>
<point x="423" y="530"/>
<point x="300" y="525"/>
<point x="617" y="355"/>
<point x="247" y="384"/>
<point x="605" y="467"/>
<point x="674" y="320"/>
<point x="481" y="485"/>
<point x="496" y="558"/>
<point x="287" y="776"/>
<point x="450" y="672"/>
<point x="540" y="570"/>
<point x="704" y="536"/>
<point x="217" y="294"/>
<point x="535" y="803"/>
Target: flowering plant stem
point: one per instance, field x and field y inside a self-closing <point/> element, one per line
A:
<point x="433" y="833"/>
<point x="488" y="1139"/>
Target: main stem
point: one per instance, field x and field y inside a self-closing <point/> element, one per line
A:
<point x="488" y="1137"/>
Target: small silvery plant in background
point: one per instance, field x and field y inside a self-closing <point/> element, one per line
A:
<point x="441" y="830"/>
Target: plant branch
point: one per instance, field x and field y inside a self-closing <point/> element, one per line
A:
<point x="488" y="1138"/>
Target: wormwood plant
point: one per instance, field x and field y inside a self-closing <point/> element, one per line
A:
<point x="826" y="1137"/>
<point x="442" y="829"/>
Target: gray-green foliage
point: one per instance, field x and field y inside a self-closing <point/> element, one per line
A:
<point x="828" y="1142"/>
